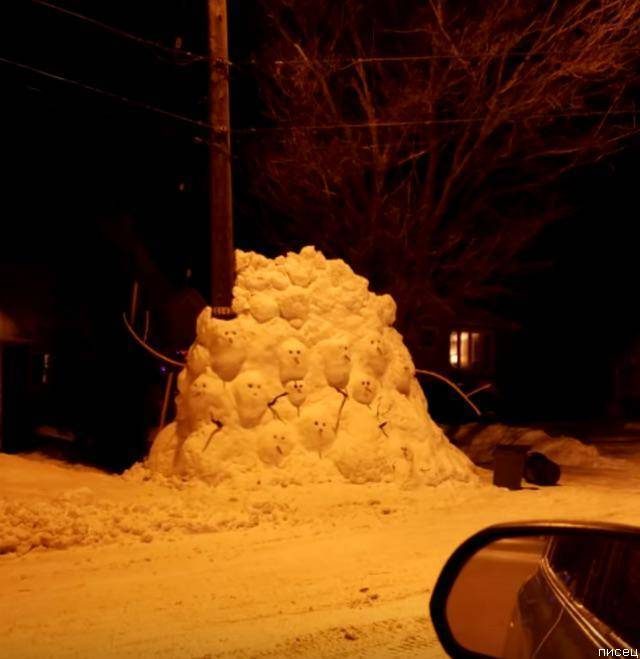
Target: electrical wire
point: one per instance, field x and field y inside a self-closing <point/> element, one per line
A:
<point x="343" y="61"/>
<point x="121" y="33"/>
<point x="428" y="122"/>
<point x="140" y="105"/>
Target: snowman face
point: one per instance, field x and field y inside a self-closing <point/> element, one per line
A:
<point x="293" y="351"/>
<point x="293" y="358"/>
<point x="320" y="427"/>
<point x="366" y="385"/>
<point x="229" y="336"/>
<point x="274" y="444"/>
<point x="204" y="385"/>
<point x="403" y="377"/>
<point x="339" y="352"/>
<point x="249" y="389"/>
<point x="373" y="352"/>
<point x="373" y="345"/>
<point x="219" y="336"/>
<point x="317" y="432"/>
<point x="206" y="398"/>
<point x="365" y="389"/>
<point x="226" y="334"/>
<point x="296" y="391"/>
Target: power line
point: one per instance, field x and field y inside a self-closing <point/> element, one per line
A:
<point x="429" y="122"/>
<point x="121" y="33"/>
<point x="250" y="130"/>
<point x="398" y="59"/>
<point x="140" y="105"/>
<point x="346" y="62"/>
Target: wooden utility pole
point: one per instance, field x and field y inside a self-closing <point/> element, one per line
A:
<point x="220" y="193"/>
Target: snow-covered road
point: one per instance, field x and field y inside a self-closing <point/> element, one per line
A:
<point x="324" y="570"/>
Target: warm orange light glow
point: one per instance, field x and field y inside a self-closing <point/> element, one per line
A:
<point x="465" y="350"/>
<point x="476" y="354"/>
<point x="453" y="348"/>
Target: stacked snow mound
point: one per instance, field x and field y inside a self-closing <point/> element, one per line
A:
<point x="309" y="383"/>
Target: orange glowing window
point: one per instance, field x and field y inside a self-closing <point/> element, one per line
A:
<point x="464" y="357"/>
<point x="453" y="349"/>
<point x="466" y="349"/>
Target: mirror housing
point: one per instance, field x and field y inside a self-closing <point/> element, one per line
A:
<point x="452" y="569"/>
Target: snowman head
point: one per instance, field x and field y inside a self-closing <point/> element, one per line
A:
<point x="228" y="336"/>
<point x="293" y="360"/>
<point x="205" y="385"/>
<point x="317" y="430"/>
<point x="364" y="387"/>
<point x="225" y="335"/>
<point x="275" y="443"/>
<point x="365" y="384"/>
<point x="338" y="351"/>
<point x="293" y="351"/>
<point x="296" y="391"/>
<point x="372" y="344"/>
<point x="249" y="389"/>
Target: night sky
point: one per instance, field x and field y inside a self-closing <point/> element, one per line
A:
<point x="84" y="173"/>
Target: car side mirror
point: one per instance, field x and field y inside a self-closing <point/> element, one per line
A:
<point x="543" y="590"/>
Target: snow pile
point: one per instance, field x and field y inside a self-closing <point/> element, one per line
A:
<point x="309" y="383"/>
<point x="94" y="509"/>
<point x="479" y="441"/>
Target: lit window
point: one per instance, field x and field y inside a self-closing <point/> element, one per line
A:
<point x="453" y="348"/>
<point x="476" y="352"/>
<point x="466" y="349"/>
<point x="464" y="358"/>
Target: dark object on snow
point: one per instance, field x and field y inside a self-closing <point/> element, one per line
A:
<point x="508" y="465"/>
<point x="541" y="470"/>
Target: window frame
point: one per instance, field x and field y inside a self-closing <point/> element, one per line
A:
<point x="476" y="355"/>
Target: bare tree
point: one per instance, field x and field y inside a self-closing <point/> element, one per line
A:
<point x="414" y="141"/>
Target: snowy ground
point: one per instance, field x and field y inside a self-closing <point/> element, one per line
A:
<point x="151" y="570"/>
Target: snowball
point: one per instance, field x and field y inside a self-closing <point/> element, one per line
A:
<point x="258" y="281"/>
<point x="198" y="358"/>
<point x="227" y="342"/>
<point x="263" y="307"/>
<point x="386" y="308"/>
<point x="278" y="280"/>
<point x="251" y="396"/>
<point x="372" y="353"/>
<point x="297" y="392"/>
<point x="364" y="388"/>
<point x="275" y="442"/>
<point x="294" y="304"/>
<point x="207" y="399"/>
<point x="299" y="270"/>
<point x="293" y="360"/>
<point x="316" y="429"/>
<point x="337" y="362"/>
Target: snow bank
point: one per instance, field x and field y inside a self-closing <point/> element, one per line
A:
<point x="56" y="506"/>
<point x="309" y="383"/>
<point x="479" y="441"/>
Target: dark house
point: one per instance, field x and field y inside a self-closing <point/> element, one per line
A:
<point x="470" y="347"/>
